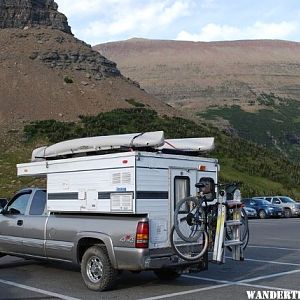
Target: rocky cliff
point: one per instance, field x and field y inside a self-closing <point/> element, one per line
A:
<point x="43" y="14"/>
<point x="49" y="74"/>
<point x="32" y="13"/>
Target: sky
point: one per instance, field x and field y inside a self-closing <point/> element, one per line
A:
<point x="100" y="21"/>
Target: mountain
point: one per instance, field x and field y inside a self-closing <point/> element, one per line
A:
<point x="197" y="75"/>
<point x="55" y="87"/>
<point x="46" y="73"/>
<point x="250" y="88"/>
<point x="24" y="13"/>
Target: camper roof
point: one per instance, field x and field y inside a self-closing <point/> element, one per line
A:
<point x="152" y="141"/>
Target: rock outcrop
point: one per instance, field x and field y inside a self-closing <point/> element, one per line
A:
<point x="32" y="13"/>
<point x="93" y="64"/>
<point x="32" y="16"/>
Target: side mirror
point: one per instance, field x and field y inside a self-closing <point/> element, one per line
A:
<point x="3" y="202"/>
<point x="13" y="211"/>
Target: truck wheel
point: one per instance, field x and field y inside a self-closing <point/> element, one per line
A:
<point x="167" y="274"/>
<point x="96" y="269"/>
<point x="287" y="213"/>
<point x="262" y="214"/>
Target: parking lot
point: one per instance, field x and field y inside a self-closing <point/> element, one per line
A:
<point x="272" y="263"/>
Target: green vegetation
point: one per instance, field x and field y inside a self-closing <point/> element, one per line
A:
<point x="67" y="79"/>
<point x="9" y="182"/>
<point x="267" y="100"/>
<point x="115" y="122"/>
<point x="135" y="103"/>
<point x="277" y="127"/>
<point x="261" y="171"/>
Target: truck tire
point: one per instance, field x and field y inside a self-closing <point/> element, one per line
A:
<point x="287" y="213"/>
<point x="96" y="269"/>
<point x="167" y="274"/>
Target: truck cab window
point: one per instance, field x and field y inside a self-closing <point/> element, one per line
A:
<point x="181" y="188"/>
<point x="19" y="204"/>
<point x="38" y="203"/>
<point x="276" y="201"/>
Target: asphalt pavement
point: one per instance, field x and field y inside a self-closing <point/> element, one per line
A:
<point x="272" y="263"/>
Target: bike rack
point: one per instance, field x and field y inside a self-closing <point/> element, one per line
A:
<point x="222" y="221"/>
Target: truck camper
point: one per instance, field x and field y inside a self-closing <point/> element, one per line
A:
<point x="128" y="202"/>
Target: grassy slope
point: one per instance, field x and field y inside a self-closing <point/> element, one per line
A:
<point x="276" y="127"/>
<point x="9" y="157"/>
<point x="260" y="171"/>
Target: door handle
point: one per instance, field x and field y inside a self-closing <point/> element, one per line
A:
<point x="20" y="222"/>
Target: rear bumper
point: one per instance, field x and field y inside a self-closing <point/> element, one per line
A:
<point x="277" y="214"/>
<point x="142" y="259"/>
<point x="176" y="263"/>
<point x="252" y="215"/>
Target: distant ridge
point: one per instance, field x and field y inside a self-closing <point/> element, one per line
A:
<point x="195" y="75"/>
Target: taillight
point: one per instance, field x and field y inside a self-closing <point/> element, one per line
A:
<point x="142" y="235"/>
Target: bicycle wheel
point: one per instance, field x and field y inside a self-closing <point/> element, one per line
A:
<point x="190" y="251"/>
<point x="244" y="230"/>
<point x="189" y="219"/>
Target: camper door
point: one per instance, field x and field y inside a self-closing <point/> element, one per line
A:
<point x="182" y="185"/>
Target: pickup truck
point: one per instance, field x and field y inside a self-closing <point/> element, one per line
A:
<point x="102" y="244"/>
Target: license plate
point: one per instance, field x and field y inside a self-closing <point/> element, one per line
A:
<point x="279" y="214"/>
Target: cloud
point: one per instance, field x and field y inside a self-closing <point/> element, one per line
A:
<point x="110" y="18"/>
<point x="98" y="21"/>
<point x="79" y="8"/>
<point x="138" y="19"/>
<point x="208" y="4"/>
<point x="259" y="30"/>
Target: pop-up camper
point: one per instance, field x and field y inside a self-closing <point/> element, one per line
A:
<point x="134" y="173"/>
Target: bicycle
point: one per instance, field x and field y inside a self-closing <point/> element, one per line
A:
<point x="190" y="226"/>
<point x="195" y="221"/>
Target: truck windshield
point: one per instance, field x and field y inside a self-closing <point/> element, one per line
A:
<point x="19" y="203"/>
<point x="263" y="202"/>
<point x="287" y="200"/>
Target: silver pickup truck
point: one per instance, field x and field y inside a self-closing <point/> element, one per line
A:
<point x="102" y="244"/>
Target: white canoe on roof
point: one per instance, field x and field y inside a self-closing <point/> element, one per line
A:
<point x="90" y="144"/>
<point x="189" y="144"/>
<point x="153" y="140"/>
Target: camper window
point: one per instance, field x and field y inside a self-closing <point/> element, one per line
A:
<point x="181" y="188"/>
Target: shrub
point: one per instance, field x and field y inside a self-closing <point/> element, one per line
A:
<point x="67" y="79"/>
<point x="135" y="103"/>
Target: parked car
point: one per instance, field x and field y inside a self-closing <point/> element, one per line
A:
<point x="251" y="212"/>
<point x="263" y="208"/>
<point x="3" y="202"/>
<point x="290" y="207"/>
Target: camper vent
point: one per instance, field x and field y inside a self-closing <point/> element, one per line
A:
<point x="126" y="177"/>
<point x="121" y="202"/>
<point x="121" y="178"/>
<point x="116" y="178"/>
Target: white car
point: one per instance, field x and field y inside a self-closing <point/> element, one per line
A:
<point x="290" y="207"/>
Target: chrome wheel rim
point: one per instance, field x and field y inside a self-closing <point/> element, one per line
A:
<point x="94" y="269"/>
